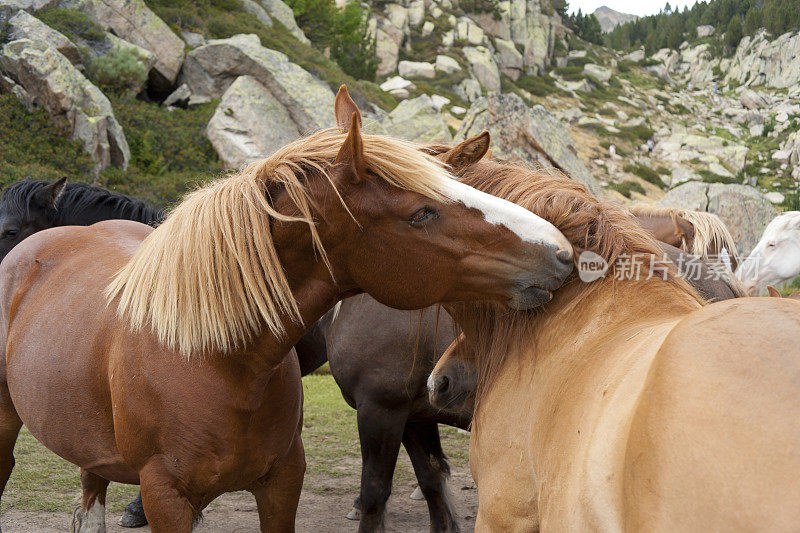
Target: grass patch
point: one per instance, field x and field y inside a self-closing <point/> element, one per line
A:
<point x="73" y="24"/>
<point x="711" y="177"/>
<point x="538" y="85"/>
<point x="626" y="187"/>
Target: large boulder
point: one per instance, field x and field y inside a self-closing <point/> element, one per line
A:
<point x="249" y="124"/>
<point x="759" y="61"/>
<point x="683" y="146"/>
<point x="744" y="209"/>
<point x="483" y="67"/>
<point x="133" y="21"/>
<point x="418" y="120"/>
<point x="210" y="69"/>
<point x="283" y="14"/>
<point x="54" y="83"/>
<point x="416" y="69"/>
<point x="533" y="135"/>
<point x="25" y="26"/>
<point x="597" y="72"/>
<point x="508" y="58"/>
<point x="27" y="5"/>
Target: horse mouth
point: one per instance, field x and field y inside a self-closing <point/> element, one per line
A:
<point x="530" y="297"/>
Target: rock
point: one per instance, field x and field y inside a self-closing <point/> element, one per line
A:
<point x="111" y="43"/>
<point x="281" y="12"/>
<point x="387" y="50"/>
<point x="249" y="124"/>
<point x="532" y="135"/>
<point x="597" y="72"/>
<point x="576" y="54"/>
<point x="469" y="90"/>
<point x="635" y="56"/>
<point x="781" y="156"/>
<point x="254" y="8"/>
<point x="508" y="58"/>
<point x="782" y="117"/>
<point x="682" y="174"/>
<point x="756" y="130"/>
<point x="416" y="13"/>
<point x="398" y="16"/>
<point x="467" y="30"/>
<point x="25" y="26"/>
<point x="439" y="101"/>
<point x="192" y="39"/>
<point x="680" y="147"/>
<point x="428" y="28"/>
<point x="744" y="209"/>
<point x="774" y="197"/>
<point x="133" y="21"/>
<point x="705" y="31"/>
<point x="759" y="61"/>
<point x="457" y="110"/>
<point x="210" y="69"/>
<point x="28" y="5"/>
<point x="179" y="97"/>
<point x="483" y="67"/>
<point x="753" y="100"/>
<point x="416" y="69"/>
<point x="446" y="64"/>
<point x="54" y="83"/>
<point x="416" y="120"/>
<point x="395" y="82"/>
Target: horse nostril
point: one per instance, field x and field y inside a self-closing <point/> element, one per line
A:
<point x="565" y="256"/>
<point x="443" y="385"/>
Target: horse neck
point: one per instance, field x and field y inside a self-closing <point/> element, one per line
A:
<point x="84" y="207"/>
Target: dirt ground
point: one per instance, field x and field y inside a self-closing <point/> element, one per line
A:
<point x="319" y="511"/>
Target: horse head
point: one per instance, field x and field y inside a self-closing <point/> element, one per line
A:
<point x="25" y="208"/>
<point x="776" y="257"/>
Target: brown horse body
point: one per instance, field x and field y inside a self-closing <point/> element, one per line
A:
<point x="183" y="383"/>
<point x="626" y="405"/>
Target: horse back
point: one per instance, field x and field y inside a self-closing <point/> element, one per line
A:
<point x="715" y="439"/>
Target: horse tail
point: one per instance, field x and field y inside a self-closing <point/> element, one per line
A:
<point x="710" y="235"/>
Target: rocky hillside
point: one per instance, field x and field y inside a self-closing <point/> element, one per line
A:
<point x="151" y="96"/>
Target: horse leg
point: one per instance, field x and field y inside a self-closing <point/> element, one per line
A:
<point x="90" y="517"/>
<point x="9" y="429"/>
<point x="167" y="510"/>
<point x="134" y="514"/>
<point x="380" y="431"/>
<point x="278" y="494"/>
<point x="421" y="440"/>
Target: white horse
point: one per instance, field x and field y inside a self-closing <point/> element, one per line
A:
<point x="776" y="257"/>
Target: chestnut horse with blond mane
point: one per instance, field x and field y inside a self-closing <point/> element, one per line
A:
<point x="161" y="357"/>
<point x="625" y="405"/>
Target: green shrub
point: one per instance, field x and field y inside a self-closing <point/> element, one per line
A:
<point x="352" y="44"/>
<point x="538" y="85"/>
<point x="646" y="173"/>
<point x="482" y="6"/>
<point x="120" y="69"/>
<point x="73" y="24"/>
<point x="711" y="177"/>
<point x="32" y="145"/>
<point x="626" y="187"/>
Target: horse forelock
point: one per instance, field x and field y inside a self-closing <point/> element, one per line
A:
<point x="607" y="229"/>
<point x="209" y="279"/>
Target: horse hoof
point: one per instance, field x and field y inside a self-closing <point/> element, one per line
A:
<point x="132" y="520"/>
<point x="354" y="514"/>
<point x="417" y="495"/>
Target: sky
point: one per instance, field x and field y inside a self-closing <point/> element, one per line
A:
<point x="634" y="7"/>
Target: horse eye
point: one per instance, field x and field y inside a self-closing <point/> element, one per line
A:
<point x="771" y="245"/>
<point x="10" y="233"/>
<point x="423" y="215"/>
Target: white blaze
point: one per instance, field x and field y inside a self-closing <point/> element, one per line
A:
<point x="525" y="224"/>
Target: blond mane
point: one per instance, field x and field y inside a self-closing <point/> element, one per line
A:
<point x="605" y="228"/>
<point x="208" y="279"/>
<point x="710" y="232"/>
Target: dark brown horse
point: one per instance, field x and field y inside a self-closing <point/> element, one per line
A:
<point x="183" y="383"/>
<point x="30" y="205"/>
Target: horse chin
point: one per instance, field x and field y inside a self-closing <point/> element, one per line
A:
<point x="530" y="298"/>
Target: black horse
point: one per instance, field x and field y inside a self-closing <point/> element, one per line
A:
<point x="31" y="205"/>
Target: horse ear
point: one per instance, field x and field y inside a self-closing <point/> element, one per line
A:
<point x="47" y="196"/>
<point x="352" y="151"/>
<point x="773" y="292"/>
<point x="468" y="152"/>
<point x="343" y="109"/>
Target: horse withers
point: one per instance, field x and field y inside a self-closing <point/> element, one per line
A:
<point x="627" y="405"/>
<point x="183" y="383"/>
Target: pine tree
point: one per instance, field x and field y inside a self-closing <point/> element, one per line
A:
<point x="733" y="34"/>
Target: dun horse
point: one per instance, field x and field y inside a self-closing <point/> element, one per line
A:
<point x="183" y="384"/>
<point x="625" y="405"/>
